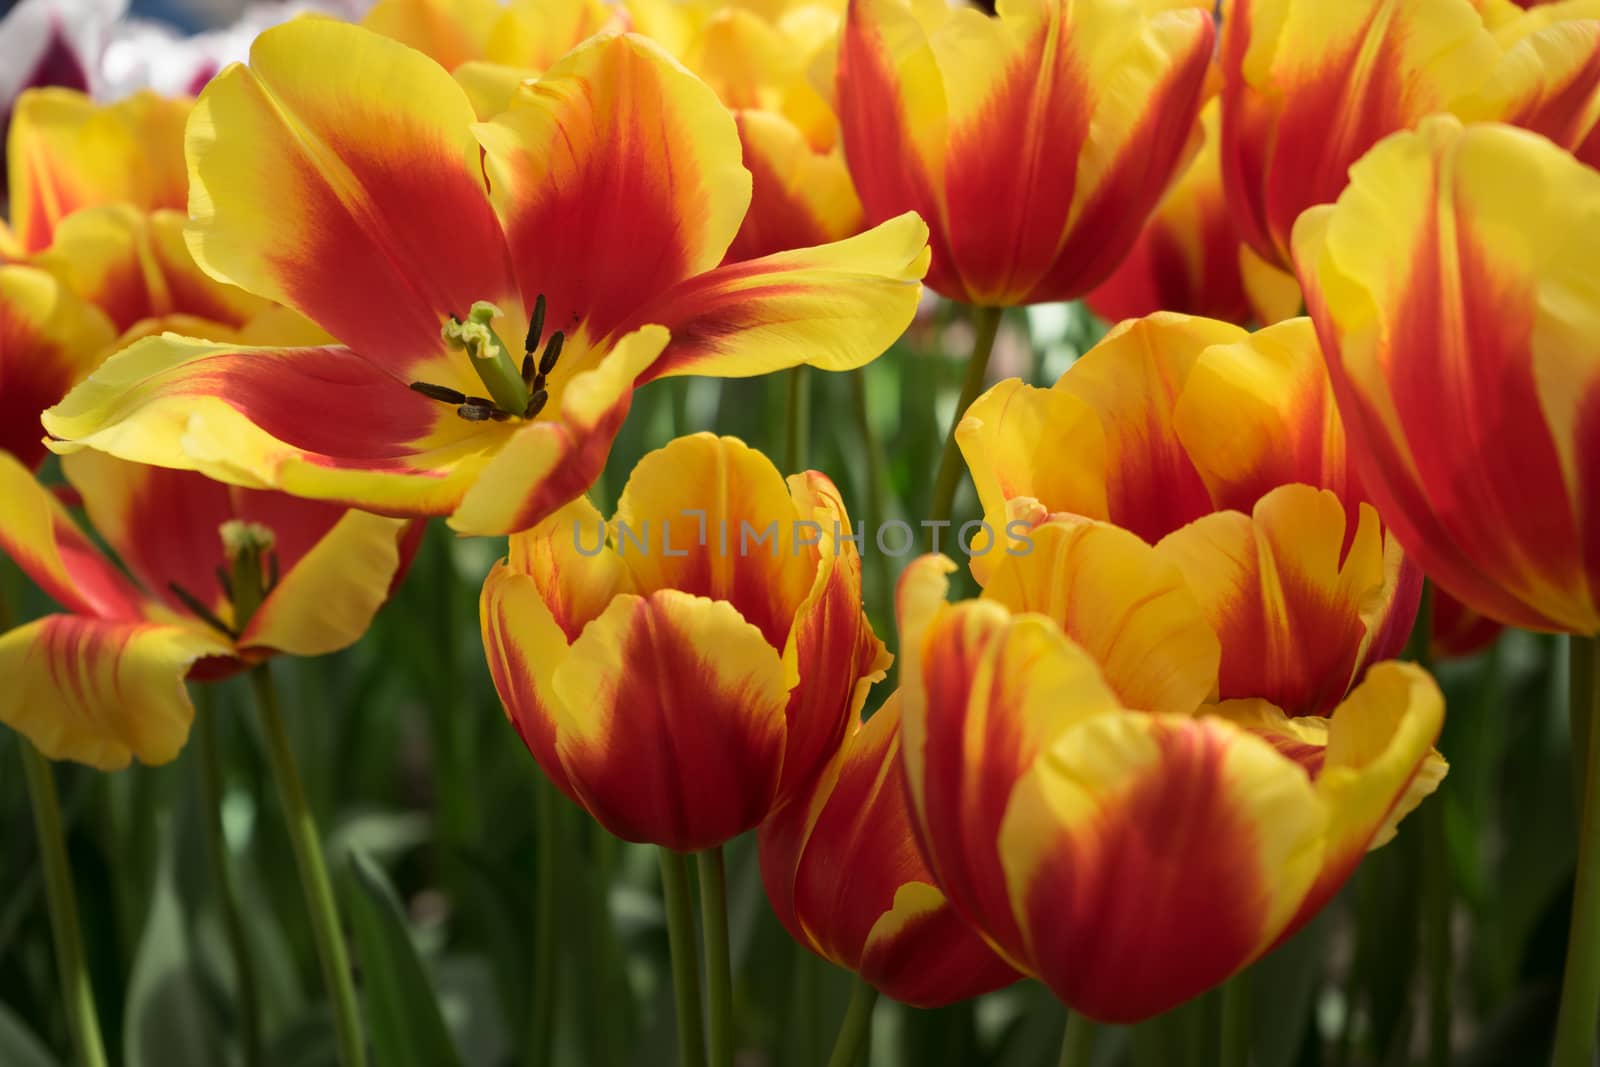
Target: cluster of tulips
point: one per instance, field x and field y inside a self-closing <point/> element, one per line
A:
<point x="416" y="265"/>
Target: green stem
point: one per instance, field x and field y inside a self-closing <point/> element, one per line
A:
<point x="797" y="444"/>
<point x="1580" y="679"/>
<point x="675" y="896"/>
<point x="1235" y="1039"/>
<point x="1077" y="1044"/>
<point x="856" y="1030"/>
<point x="76" y="991"/>
<point x="308" y="858"/>
<point x="986" y="322"/>
<point x="719" y="961"/>
<point x="1437" y="949"/>
<point x="227" y="888"/>
<point x="1580" y="988"/>
<point x="541" y="1019"/>
<point x="877" y="484"/>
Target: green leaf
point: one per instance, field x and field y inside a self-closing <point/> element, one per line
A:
<point x="18" y="1045"/>
<point x="1282" y="989"/>
<point x="168" y="1021"/>
<point x="402" y="1009"/>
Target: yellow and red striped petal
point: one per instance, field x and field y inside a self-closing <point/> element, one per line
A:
<point x="574" y="572"/>
<point x="1036" y="143"/>
<point x="799" y="196"/>
<point x="1128" y="911"/>
<point x="1372" y="762"/>
<point x="524" y="645"/>
<point x="1458" y="630"/>
<point x="1273" y="292"/>
<point x="1549" y="80"/>
<point x="835" y="306"/>
<point x="134" y="266"/>
<point x="315" y="422"/>
<point x="1294" y="596"/>
<point x="1259" y="413"/>
<point x="1132" y="380"/>
<point x="1310" y="86"/>
<point x="327" y="598"/>
<point x="844" y="875"/>
<point x="337" y="174"/>
<point x="49" y="339"/>
<point x="536" y="33"/>
<point x="671" y="720"/>
<point x="101" y="691"/>
<point x="1187" y="257"/>
<point x="545" y="464"/>
<point x="615" y="149"/>
<point x="64" y="152"/>
<point x="1460" y="349"/>
<point x="38" y="534"/>
<point x="1124" y="604"/>
<point x="982" y="694"/>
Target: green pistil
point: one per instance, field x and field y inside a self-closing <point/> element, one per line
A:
<point x="500" y="374"/>
<point x="249" y="549"/>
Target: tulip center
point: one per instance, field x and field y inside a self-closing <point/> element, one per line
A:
<point x="251" y="573"/>
<point x="514" y="391"/>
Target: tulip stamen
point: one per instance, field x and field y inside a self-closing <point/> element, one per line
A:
<point x="513" y="391"/>
<point x="200" y="611"/>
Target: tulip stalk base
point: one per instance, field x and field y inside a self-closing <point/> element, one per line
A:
<point x="76" y="991"/>
<point x="1580" y="988"/>
<point x="541" y="1020"/>
<point x="1077" y="1045"/>
<point x="719" y="964"/>
<point x="986" y="322"/>
<point x="1235" y="1031"/>
<point x="226" y="886"/>
<point x="307" y="846"/>
<point x="677" y="899"/>
<point x="855" y="1032"/>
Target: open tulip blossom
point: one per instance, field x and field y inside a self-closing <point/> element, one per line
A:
<point x="1169" y="635"/>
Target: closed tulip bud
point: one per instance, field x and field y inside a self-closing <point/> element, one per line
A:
<point x="844" y="875"/>
<point x="687" y="668"/>
<point x="1454" y="289"/>
<point x="1034" y="143"/>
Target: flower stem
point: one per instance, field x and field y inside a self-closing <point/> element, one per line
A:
<point x="1077" y="1045"/>
<point x="719" y="963"/>
<point x="877" y="484"/>
<point x="547" y="826"/>
<point x="685" y="960"/>
<point x="76" y="991"/>
<point x="797" y="437"/>
<point x="1235" y="1041"/>
<point x="227" y="889"/>
<point x="856" y="1030"/>
<point x="986" y="322"/>
<point x="1580" y="988"/>
<point x="313" y="873"/>
<point x="1437" y="949"/>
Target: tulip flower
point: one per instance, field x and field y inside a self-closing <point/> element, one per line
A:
<point x="1035" y="143"/>
<point x="690" y="667"/>
<point x="50" y="338"/>
<point x="1077" y="801"/>
<point x="1461" y="348"/>
<point x="1190" y="259"/>
<point x="1224" y="450"/>
<point x="493" y="305"/>
<point x="845" y="877"/>
<point x="1309" y="86"/>
<point x="102" y="682"/>
<point x="1548" y="80"/>
<point x="65" y="152"/>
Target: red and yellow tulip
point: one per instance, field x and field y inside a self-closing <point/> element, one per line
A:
<point x="482" y="35"/>
<point x="342" y="175"/>
<point x="1548" y="80"/>
<point x="102" y="682"/>
<point x="1189" y="259"/>
<point x="1224" y="450"/>
<point x="689" y="667"/>
<point x="844" y="875"/>
<point x="1080" y="803"/>
<point x="1461" y="347"/>
<point x="50" y="338"/>
<point x="64" y="152"/>
<point x="1035" y="143"/>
